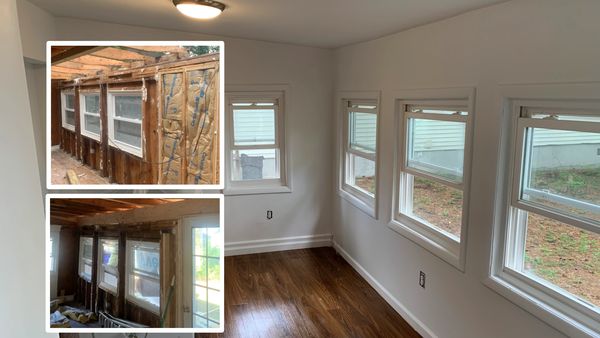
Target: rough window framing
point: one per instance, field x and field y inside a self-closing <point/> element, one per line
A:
<point x="64" y="109"/>
<point x="83" y="112"/>
<point x="361" y="198"/>
<point x="577" y="317"/>
<point x="252" y="100"/>
<point x="132" y="149"/>
<point x="459" y="101"/>
<point x="107" y="269"/>
<point x="131" y="272"/>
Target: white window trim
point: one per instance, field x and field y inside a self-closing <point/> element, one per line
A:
<point x="362" y="201"/>
<point x="111" y="126"/>
<point x="81" y="260"/>
<point x="63" y="108"/>
<point x="128" y="271"/>
<point x="83" y="112"/>
<point x="432" y="239"/>
<point x="101" y="284"/>
<point x="257" y="93"/>
<point x="540" y="298"/>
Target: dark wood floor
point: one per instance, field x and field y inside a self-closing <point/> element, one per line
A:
<point x="304" y="293"/>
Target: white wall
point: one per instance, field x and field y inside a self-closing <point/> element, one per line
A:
<point x="304" y="211"/>
<point x="21" y="210"/>
<point x="528" y="41"/>
<point x="36" y="88"/>
<point x="36" y="26"/>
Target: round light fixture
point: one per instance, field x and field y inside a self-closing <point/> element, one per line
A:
<point x="199" y="9"/>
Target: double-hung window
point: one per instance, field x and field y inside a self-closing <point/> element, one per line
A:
<point x="108" y="264"/>
<point x="125" y="121"/>
<point x="256" y="142"/>
<point x="432" y="175"/>
<point x="551" y="233"/>
<point x="68" y="109"/>
<point x="86" y="252"/>
<point x="143" y="274"/>
<point x="359" y="162"/>
<point x="89" y="102"/>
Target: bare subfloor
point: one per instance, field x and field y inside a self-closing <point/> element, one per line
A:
<point x="61" y="162"/>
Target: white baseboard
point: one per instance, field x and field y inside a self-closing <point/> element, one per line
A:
<point x="421" y="328"/>
<point x="277" y="244"/>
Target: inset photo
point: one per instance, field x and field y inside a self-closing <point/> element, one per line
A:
<point x="134" y="263"/>
<point x="134" y="115"/>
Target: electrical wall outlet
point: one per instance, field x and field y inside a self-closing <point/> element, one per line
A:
<point x="269" y="214"/>
<point x="422" y="279"/>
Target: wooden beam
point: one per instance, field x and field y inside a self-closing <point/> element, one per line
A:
<point x="83" y="66"/>
<point x="99" y="60"/>
<point x="74" y="52"/>
<point x="120" y="54"/>
<point x="143" y="52"/>
<point x="72" y="71"/>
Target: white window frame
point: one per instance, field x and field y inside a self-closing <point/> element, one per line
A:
<point x="565" y="312"/>
<point x="112" y="117"/>
<point x="85" y="261"/>
<point x="363" y="201"/>
<point x="278" y="94"/>
<point x="129" y="262"/>
<point x="83" y="112"/>
<point x="102" y="269"/>
<point x="63" y="108"/>
<point x="442" y="244"/>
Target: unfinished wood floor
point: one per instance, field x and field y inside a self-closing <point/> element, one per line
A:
<point x="304" y="293"/>
<point x="61" y="162"/>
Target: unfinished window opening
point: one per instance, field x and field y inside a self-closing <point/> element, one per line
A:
<point x="68" y="109"/>
<point x="143" y="274"/>
<point x="89" y="102"/>
<point x="552" y="232"/>
<point x="86" y="251"/>
<point x="108" y="265"/>
<point x="359" y="163"/>
<point x="432" y="172"/>
<point x="256" y="143"/>
<point x="125" y="121"/>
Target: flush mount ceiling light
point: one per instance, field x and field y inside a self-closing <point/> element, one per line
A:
<point x="199" y="9"/>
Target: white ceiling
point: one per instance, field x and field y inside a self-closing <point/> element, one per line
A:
<point x="319" y="23"/>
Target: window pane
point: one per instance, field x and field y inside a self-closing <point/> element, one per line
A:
<point x="200" y="301"/>
<point x="363" y="131"/>
<point x="147" y="289"/>
<point x="437" y="147"/>
<point x="438" y="205"/>
<point x="564" y="171"/>
<point x="92" y="123"/>
<point x="92" y="103"/>
<point x="254" y="164"/>
<point x="70" y="101"/>
<point x="129" y="106"/>
<point x="87" y="270"/>
<point x="214" y="242"/>
<point x="360" y="173"/>
<point x="200" y="321"/>
<point x="253" y="126"/>
<point x="110" y="253"/>
<point x="207" y="272"/>
<point x="200" y="271"/>
<point x="87" y="249"/>
<point x="564" y="255"/>
<point x="111" y="279"/>
<point x="129" y="133"/>
<point x="214" y="299"/>
<point x="70" y="117"/>
<point x="146" y="260"/>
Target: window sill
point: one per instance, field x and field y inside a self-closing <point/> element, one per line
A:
<point x="256" y="190"/>
<point x="367" y="208"/>
<point x="69" y="127"/>
<point x="444" y="248"/>
<point x="91" y="136"/>
<point x="540" y="308"/>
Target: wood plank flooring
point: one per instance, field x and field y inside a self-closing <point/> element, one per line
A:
<point x="61" y="162"/>
<point x="304" y="293"/>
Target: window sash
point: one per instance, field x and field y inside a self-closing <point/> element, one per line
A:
<point x="112" y="117"/>
<point x="64" y="109"/>
<point x="520" y="168"/>
<point x="276" y="122"/>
